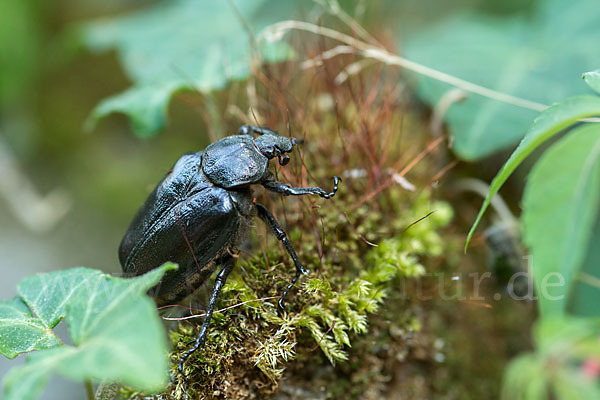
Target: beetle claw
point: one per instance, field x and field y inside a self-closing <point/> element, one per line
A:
<point x="185" y="356"/>
<point x="336" y="181"/>
<point x="280" y="305"/>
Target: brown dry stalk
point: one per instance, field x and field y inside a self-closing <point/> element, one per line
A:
<point x="276" y="31"/>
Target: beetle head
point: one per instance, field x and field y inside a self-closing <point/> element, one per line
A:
<point x="272" y="145"/>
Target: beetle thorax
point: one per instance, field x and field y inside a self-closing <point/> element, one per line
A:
<point x="233" y="162"/>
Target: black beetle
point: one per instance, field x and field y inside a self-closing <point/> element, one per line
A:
<point x="201" y="210"/>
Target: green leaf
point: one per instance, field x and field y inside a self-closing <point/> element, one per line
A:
<point x="146" y="107"/>
<point x="562" y="343"/>
<point x="592" y="78"/>
<point x="20" y="332"/>
<point x="572" y="385"/>
<point x="547" y="124"/>
<point x="525" y="379"/>
<point x="560" y="206"/>
<point x="114" y="326"/>
<point x="557" y="336"/>
<point x="47" y="295"/>
<point x="180" y="45"/>
<point x="586" y="290"/>
<point x="533" y="57"/>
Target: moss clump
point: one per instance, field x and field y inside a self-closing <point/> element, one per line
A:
<point x="250" y="346"/>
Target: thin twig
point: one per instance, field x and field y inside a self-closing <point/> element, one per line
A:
<point x="417" y="221"/>
<point x="443" y="172"/>
<point x="589" y="279"/>
<point x="360" y="236"/>
<point x="335" y="9"/>
<point x="275" y="31"/>
<point x="404" y="171"/>
<point x="221" y="310"/>
<point x="449" y="98"/>
<point x="352" y="69"/>
<point x="327" y="55"/>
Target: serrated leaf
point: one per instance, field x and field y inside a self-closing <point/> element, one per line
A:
<point x="113" y="324"/>
<point x="592" y="78"/>
<point x="183" y="44"/>
<point x="560" y="206"/>
<point x="550" y="122"/>
<point x="20" y="331"/>
<point x="535" y="58"/>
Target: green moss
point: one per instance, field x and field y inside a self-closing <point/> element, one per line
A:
<point x="328" y="310"/>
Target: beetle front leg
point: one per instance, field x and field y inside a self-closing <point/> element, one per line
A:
<point x="228" y="264"/>
<point x="287" y="190"/>
<point x="270" y="220"/>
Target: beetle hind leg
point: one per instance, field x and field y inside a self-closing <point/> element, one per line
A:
<point x="228" y="264"/>
<point x="270" y="220"/>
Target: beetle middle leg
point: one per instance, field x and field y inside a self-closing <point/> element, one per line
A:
<point x="280" y="234"/>
<point x="228" y="264"/>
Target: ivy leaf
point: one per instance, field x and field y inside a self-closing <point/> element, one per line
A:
<point x="560" y="206"/>
<point x="550" y="122"/>
<point x="592" y="78"/>
<point x="535" y="58"/>
<point x="146" y="107"/>
<point x="116" y="332"/>
<point x="183" y="45"/>
<point x="47" y="295"/>
<point x="20" y="331"/>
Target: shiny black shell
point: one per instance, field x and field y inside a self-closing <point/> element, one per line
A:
<point x="189" y="204"/>
<point x="234" y="161"/>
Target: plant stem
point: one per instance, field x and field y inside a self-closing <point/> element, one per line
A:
<point x="89" y="390"/>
